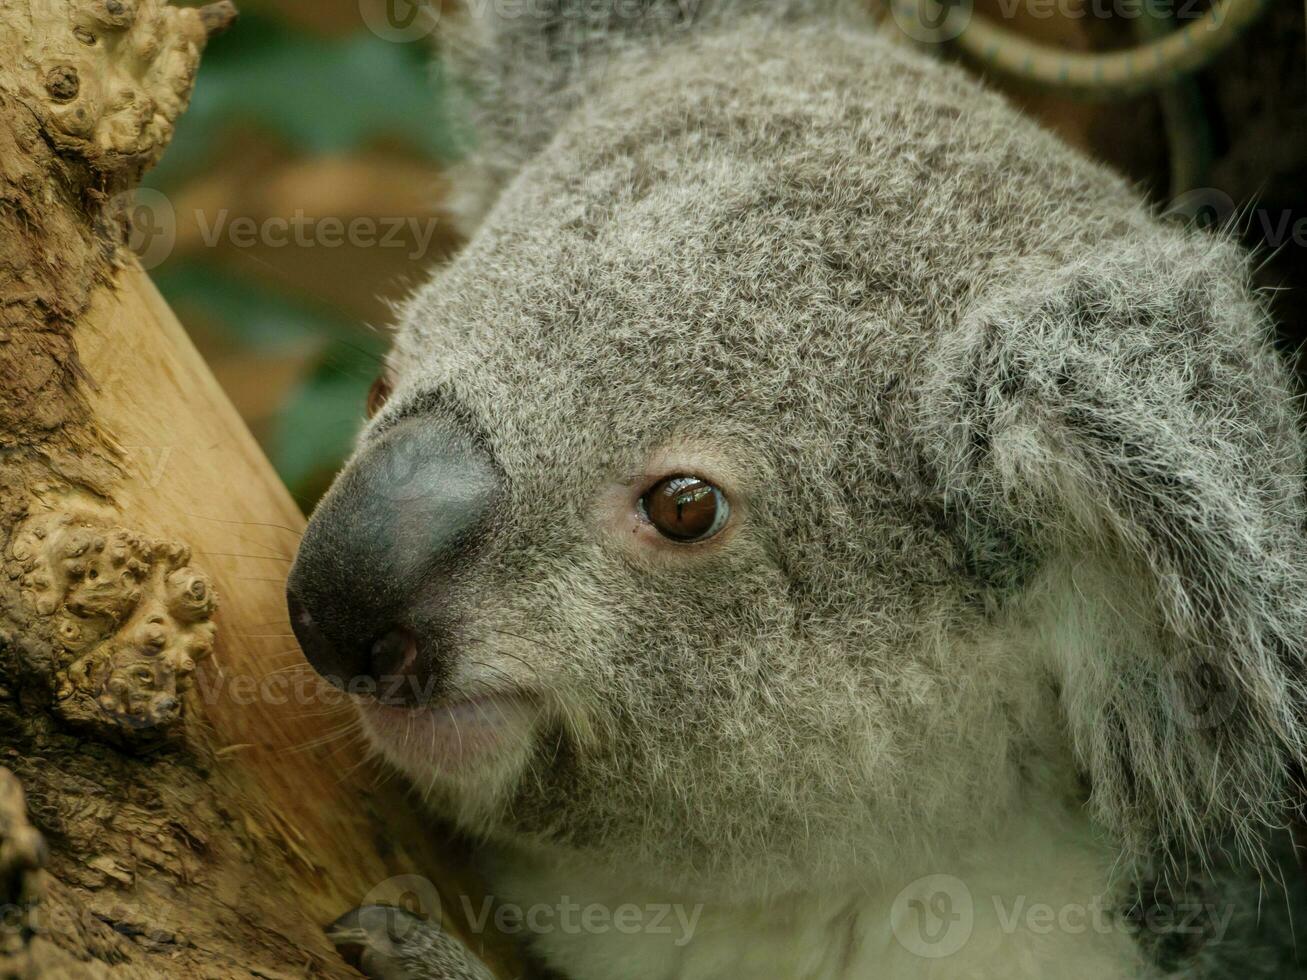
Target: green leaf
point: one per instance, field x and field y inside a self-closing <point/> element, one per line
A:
<point x="316" y="431"/>
<point x="251" y="314"/>
<point x="321" y="95"/>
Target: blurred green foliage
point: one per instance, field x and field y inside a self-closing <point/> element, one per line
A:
<point x="316" y="426"/>
<point x="316" y="96"/>
<point x="321" y="95"/>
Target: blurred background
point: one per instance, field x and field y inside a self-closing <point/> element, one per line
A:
<point x="302" y="193"/>
<point x="299" y="199"/>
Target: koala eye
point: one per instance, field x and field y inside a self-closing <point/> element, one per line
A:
<point x="685" y="508"/>
<point x="378" y="393"/>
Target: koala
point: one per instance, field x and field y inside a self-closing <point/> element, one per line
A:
<point x="821" y="526"/>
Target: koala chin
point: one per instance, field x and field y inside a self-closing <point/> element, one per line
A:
<point x="821" y="526"/>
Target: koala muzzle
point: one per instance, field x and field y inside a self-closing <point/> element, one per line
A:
<point x="364" y="592"/>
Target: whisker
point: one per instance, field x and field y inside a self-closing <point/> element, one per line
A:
<point x="219" y="520"/>
<point x="236" y="554"/>
<point x="535" y="641"/>
<point x="300" y="665"/>
<point x="352" y="727"/>
<point x="371" y="756"/>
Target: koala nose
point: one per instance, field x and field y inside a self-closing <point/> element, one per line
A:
<point x="364" y="591"/>
<point x="387" y="667"/>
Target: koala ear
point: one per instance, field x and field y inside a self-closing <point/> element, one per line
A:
<point x="516" y="68"/>
<point x="1125" y="425"/>
<point x="519" y="66"/>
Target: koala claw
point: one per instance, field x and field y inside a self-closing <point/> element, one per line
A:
<point x="386" y="943"/>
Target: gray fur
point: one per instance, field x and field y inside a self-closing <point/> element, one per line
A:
<point x="391" y="944"/>
<point x="1017" y="475"/>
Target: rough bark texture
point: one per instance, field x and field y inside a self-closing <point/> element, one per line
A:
<point x="195" y="802"/>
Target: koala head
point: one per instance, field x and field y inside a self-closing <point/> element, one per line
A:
<point x="809" y="461"/>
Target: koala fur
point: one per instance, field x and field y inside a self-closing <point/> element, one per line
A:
<point x="1014" y="593"/>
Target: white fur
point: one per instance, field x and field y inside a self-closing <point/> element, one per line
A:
<point x="1038" y="896"/>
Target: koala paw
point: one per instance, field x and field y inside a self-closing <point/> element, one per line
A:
<point x="386" y="943"/>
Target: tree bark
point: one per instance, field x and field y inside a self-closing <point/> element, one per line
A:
<point x="197" y="803"/>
